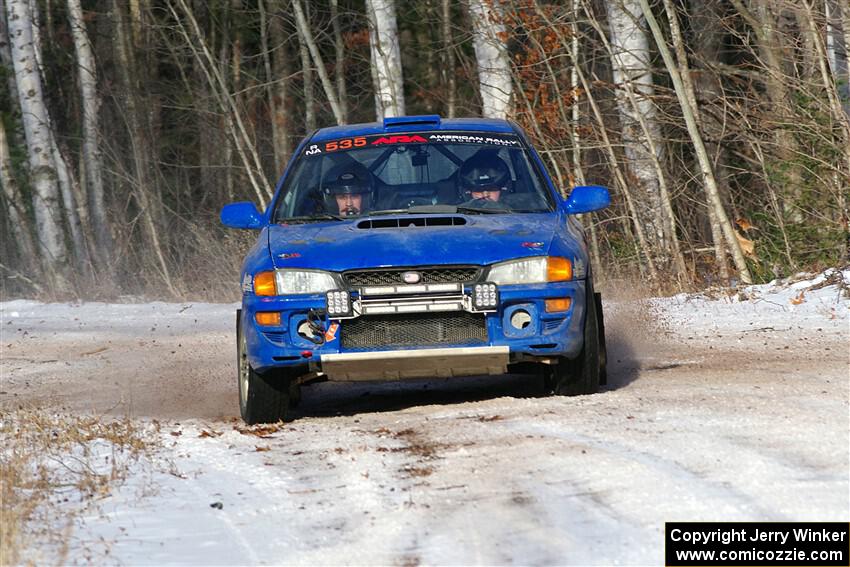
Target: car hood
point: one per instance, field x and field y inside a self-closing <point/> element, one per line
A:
<point x="341" y="245"/>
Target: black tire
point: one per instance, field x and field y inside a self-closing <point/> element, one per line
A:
<point x="294" y="394"/>
<point x="263" y="398"/>
<point x="581" y="375"/>
<point x="603" y="349"/>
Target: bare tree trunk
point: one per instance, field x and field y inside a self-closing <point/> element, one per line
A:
<point x="73" y="208"/>
<point x="307" y="74"/>
<point x="270" y="79"/>
<point x="6" y="60"/>
<point x="630" y="59"/>
<point x="307" y="35"/>
<point x="707" y="25"/>
<point x="144" y="184"/>
<point x="51" y="241"/>
<point x="386" y="58"/>
<point x="710" y="182"/>
<point x="244" y="145"/>
<point x="18" y="218"/>
<point x="765" y="27"/>
<point x="491" y="54"/>
<point x="73" y="202"/>
<point x="648" y="269"/>
<point x="829" y="84"/>
<point x="339" y="64"/>
<point x="575" y="120"/>
<point x="449" y="79"/>
<point x="91" y="146"/>
<point x="646" y="150"/>
<point x="845" y="21"/>
<point x="717" y="235"/>
<point x="280" y="72"/>
<point x="836" y="51"/>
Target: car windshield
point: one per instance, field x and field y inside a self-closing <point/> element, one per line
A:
<point x="421" y="173"/>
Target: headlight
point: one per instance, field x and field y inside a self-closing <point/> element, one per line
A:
<point x="303" y="281"/>
<point x="291" y="282"/>
<point x="538" y="269"/>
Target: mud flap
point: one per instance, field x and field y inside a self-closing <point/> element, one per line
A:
<point x="603" y="351"/>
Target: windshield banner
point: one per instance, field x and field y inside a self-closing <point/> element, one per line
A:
<point x="379" y="140"/>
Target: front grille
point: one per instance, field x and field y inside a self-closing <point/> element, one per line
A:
<point x="447" y="274"/>
<point x="414" y="330"/>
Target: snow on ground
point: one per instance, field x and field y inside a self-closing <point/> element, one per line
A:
<point x="730" y="408"/>
<point x="818" y="304"/>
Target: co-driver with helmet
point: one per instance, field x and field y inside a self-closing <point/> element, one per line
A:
<point x="482" y="180"/>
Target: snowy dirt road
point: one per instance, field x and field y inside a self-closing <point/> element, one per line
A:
<point x="714" y="411"/>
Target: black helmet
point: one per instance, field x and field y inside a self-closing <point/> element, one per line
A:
<point x="484" y="172"/>
<point x="349" y="182"/>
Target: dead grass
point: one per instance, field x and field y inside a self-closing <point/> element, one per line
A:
<point x="51" y="467"/>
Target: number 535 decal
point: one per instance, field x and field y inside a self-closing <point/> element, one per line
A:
<point x="346" y="144"/>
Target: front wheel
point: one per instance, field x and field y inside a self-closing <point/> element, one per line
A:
<point x="262" y="398"/>
<point x="581" y="375"/>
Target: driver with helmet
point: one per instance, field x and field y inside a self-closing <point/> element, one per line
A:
<point x="482" y="180"/>
<point x="349" y="193"/>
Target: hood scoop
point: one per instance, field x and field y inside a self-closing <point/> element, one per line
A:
<point x="410" y="222"/>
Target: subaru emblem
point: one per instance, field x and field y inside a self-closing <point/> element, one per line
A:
<point x="411" y="277"/>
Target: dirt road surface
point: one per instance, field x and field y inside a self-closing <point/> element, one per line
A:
<point x="698" y="422"/>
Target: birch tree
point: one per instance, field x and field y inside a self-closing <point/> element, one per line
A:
<point x="386" y="58"/>
<point x="630" y="61"/>
<point x="836" y="48"/>
<point x="91" y="132"/>
<point x="18" y="221"/>
<point x="491" y="54"/>
<point x="46" y="201"/>
<point x="74" y="207"/>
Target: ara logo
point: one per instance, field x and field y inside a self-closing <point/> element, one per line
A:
<point x="313" y="150"/>
<point x="411" y="277"/>
<point x="399" y="140"/>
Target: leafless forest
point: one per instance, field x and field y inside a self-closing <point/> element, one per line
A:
<point x="722" y="127"/>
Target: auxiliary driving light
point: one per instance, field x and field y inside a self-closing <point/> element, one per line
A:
<point x="339" y="303"/>
<point x="485" y="297"/>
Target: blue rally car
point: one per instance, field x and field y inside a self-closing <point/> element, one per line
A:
<point x="418" y="247"/>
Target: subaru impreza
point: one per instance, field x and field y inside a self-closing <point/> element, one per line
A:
<point x="416" y="247"/>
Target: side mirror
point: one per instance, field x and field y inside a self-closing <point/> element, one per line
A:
<point x="587" y="198"/>
<point x="241" y="215"/>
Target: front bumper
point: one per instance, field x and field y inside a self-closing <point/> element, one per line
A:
<point x="545" y="336"/>
<point x="417" y="363"/>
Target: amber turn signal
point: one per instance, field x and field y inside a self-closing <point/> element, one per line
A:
<point x="268" y="318"/>
<point x="556" y="305"/>
<point x="264" y="284"/>
<point x="559" y="269"/>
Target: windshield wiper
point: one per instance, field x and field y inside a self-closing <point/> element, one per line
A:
<point x="417" y="210"/>
<point x="311" y="218"/>
<point x="482" y="210"/>
<point x="387" y="212"/>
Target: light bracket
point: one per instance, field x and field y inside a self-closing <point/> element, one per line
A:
<point x="338" y="303"/>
